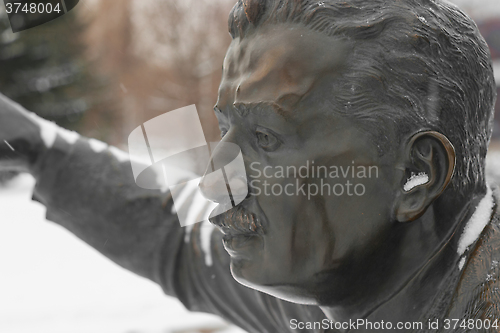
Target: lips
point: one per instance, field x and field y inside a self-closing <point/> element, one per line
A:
<point x="237" y="221"/>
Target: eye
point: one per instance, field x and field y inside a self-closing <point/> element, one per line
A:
<point x="267" y="141"/>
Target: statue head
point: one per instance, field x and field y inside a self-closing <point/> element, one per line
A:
<point x="363" y="125"/>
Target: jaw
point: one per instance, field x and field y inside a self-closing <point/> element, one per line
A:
<point x="242" y="273"/>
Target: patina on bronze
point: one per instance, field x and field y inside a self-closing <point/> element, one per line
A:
<point x="403" y="86"/>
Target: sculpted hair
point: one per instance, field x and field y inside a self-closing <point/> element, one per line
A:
<point x="415" y="65"/>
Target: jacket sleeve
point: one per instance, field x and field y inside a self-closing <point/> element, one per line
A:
<point x="91" y="192"/>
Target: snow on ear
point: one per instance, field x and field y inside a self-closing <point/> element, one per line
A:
<point x="416" y="180"/>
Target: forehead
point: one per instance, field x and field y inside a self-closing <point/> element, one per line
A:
<point x="279" y="64"/>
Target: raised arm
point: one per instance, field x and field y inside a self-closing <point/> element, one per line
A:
<point x="89" y="189"/>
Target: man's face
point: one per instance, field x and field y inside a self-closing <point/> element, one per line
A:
<point x="317" y="221"/>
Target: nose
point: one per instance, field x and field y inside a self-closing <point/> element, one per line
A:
<point x="225" y="178"/>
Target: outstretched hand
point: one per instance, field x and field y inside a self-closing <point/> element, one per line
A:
<point x="20" y="137"/>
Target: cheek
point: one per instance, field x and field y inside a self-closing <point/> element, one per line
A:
<point x="299" y="239"/>
<point x="359" y="221"/>
<point x="309" y="234"/>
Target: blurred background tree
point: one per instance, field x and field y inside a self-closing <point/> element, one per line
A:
<point x="108" y="66"/>
<point x="161" y="55"/>
<point x="45" y="70"/>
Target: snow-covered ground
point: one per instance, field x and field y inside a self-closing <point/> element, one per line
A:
<point x="52" y="282"/>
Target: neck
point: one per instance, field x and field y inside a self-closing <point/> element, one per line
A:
<point x="421" y="272"/>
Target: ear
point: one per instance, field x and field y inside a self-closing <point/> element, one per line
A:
<point x="428" y="163"/>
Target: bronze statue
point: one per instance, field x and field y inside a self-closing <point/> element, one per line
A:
<point x="403" y="87"/>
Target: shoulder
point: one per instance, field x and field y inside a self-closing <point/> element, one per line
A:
<point x="477" y="295"/>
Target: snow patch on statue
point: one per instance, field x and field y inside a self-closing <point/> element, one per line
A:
<point x="49" y="131"/>
<point x="477" y="223"/>
<point x="206" y="231"/>
<point x="120" y="155"/>
<point x="97" y="146"/>
<point x="461" y="264"/>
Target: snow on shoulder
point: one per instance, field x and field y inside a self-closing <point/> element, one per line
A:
<point x="477" y="222"/>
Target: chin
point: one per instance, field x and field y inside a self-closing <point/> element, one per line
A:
<point x="243" y="272"/>
<point x="253" y="278"/>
